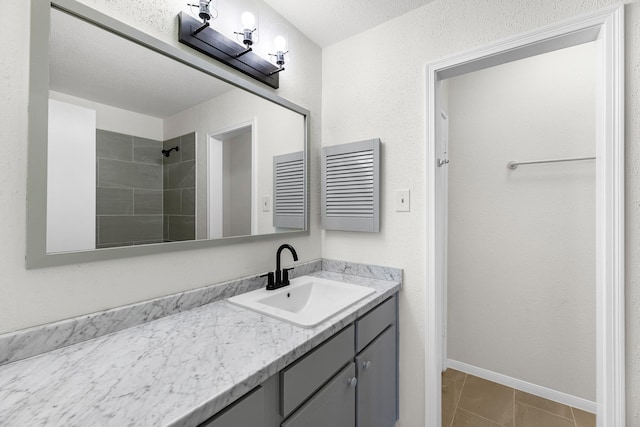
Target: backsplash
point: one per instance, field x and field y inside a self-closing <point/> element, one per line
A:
<point x="40" y="339"/>
<point x="363" y="270"/>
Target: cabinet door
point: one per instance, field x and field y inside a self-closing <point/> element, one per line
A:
<point x="333" y="405"/>
<point x="377" y="382"/>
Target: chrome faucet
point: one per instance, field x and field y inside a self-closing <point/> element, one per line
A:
<point x="281" y="276"/>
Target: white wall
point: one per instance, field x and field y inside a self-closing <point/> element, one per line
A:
<point x="71" y="171"/>
<point x="29" y="298"/>
<point x="374" y="85"/>
<point x="521" y="279"/>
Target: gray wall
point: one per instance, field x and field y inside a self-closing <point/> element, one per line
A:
<point x="237" y="185"/>
<point x="129" y="190"/>
<point x="179" y="185"/>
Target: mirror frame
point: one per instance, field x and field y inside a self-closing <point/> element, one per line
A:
<point x="36" y="255"/>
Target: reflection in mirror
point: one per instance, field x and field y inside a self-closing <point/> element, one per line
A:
<point x="144" y="149"/>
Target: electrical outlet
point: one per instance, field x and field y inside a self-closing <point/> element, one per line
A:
<point x="403" y="200"/>
<point x="266" y="204"/>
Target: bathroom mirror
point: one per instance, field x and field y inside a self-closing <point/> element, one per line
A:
<point x="138" y="147"/>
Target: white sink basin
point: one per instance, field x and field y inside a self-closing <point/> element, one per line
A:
<point x="306" y="302"/>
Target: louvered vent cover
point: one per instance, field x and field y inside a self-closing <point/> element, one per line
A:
<point x="350" y="186"/>
<point x="288" y="190"/>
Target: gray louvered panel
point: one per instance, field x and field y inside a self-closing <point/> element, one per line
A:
<point x="288" y="190"/>
<point x="350" y="186"/>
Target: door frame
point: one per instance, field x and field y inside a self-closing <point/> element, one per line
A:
<point x="441" y="217"/>
<point x="607" y="27"/>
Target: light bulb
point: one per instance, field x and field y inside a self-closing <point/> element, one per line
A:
<point x="248" y="20"/>
<point x="205" y="12"/>
<point x="280" y="43"/>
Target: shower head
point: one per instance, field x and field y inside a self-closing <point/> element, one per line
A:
<point x="167" y="153"/>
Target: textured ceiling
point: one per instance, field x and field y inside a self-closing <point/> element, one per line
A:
<point x="329" y="21"/>
<point x="90" y="63"/>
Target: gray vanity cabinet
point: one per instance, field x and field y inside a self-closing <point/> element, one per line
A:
<point x="364" y="397"/>
<point x="350" y="380"/>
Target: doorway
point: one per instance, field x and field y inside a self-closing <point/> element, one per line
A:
<point x="605" y="28"/>
<point x="232" y="182"/>
<point x="520" y="285"/>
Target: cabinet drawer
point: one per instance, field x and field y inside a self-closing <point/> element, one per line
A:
<point x="334" y="405"/>
<point x="374" y="322"/>
<point x="301" y="379"/>
<point x="248" y="411"/>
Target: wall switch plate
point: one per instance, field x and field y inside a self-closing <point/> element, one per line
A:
<point x="266" y="204"/>
<point x="403" y="200"/>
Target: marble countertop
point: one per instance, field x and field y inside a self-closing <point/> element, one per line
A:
<point x="175" y="371"/>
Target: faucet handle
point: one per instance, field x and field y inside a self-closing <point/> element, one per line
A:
<point x="270" y="281"/>
<point x="285" y="275"/>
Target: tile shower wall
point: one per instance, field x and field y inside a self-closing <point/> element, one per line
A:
<point x="129" y="190"/>
<point x="143" y="197"/>
<point x="180" y="189"/>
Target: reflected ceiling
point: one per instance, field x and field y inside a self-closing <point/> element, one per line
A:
<point x="131" y="73"/>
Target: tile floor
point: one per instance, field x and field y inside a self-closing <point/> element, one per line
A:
<point x="469" y="401"/>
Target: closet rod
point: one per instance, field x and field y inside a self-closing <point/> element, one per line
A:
<point x="514" y="165"/>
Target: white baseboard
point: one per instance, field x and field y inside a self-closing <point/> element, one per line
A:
<point x="547" y="393"/>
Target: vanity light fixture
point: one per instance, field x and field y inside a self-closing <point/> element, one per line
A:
<point x="200" y="36"/>
<point x="204" y="12"/>
<point x="248" y="22"/>
<point x="281" y="45"/>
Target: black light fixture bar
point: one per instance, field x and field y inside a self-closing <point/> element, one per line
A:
<point x="217" y="46"/>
